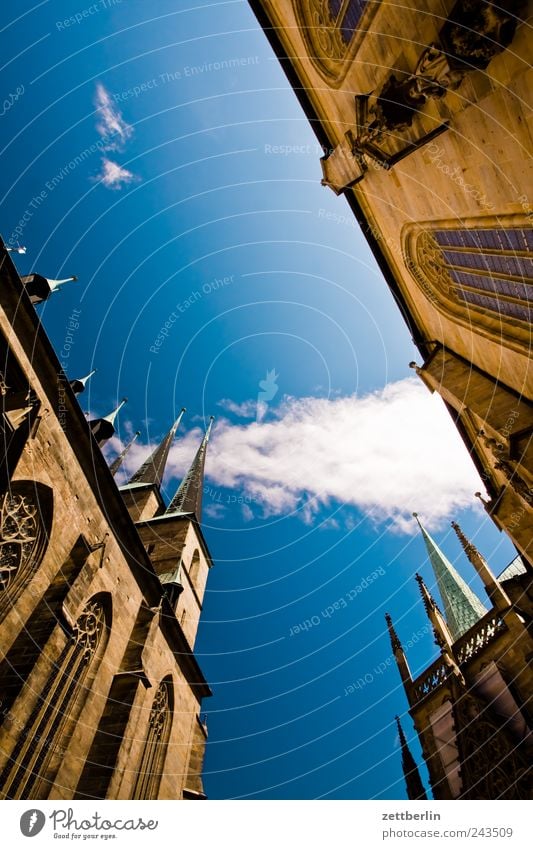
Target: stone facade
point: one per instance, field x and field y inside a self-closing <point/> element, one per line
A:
<point x="425" y="122"/>
<point x="473" y="706"/>
<point x="100" y="689"/>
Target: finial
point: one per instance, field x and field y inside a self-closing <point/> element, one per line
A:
<point x="427" y="598"/>
<point x="117" y="462"/>
<point x="79" y="383"/>
<point x="55" y="284"/>
<point x="483" y="500"/>
<point x="112" y="416"/>
<point x="395" y="641"/>
<point x="403" y="741"/>
<point x="210" y="425"/>
<point x="468" y="547"/>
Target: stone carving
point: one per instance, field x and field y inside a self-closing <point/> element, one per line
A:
<point x="476" y="31"/>
<point x="18" y="535"/>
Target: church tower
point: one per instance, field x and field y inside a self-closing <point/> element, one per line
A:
<point x="471" y="707"/>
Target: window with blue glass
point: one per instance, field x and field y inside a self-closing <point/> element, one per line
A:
<point x="490" y="268"/>
<point x="347" y="14"/>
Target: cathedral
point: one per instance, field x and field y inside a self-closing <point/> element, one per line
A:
<point x="422" y="120"/>
<point x="472" y="707"/>
<point x="101" y="590"/>
<point x="422" y="112"/>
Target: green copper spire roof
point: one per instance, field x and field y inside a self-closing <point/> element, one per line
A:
<point x="461" y="606"/>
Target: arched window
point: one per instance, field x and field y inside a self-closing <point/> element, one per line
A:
<point x="25" y="523"/>
<point x="482" y="275"/>
<point x="330" y="27"/>
<point x="194" y="568"/>
<point x="156" y="744"/>
<point x="45" y="734"/>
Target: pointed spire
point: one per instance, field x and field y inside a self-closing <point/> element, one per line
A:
<point x="104" y="428"/>
<point x="117" y="462"/>
<point x="413" y="782"/>
<point x="40" y="288"/>
<point x="399" y="654"/>
<point x="461" y="606"/>
<point x="153" y="469"/>
<point x="114" y="413"/>
<point x="495" y="591"/>
<point x="188" y="498"/>
<point x="443" y="637"/>
<point x="79" y="383"/>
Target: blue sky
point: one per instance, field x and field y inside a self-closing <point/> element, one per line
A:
<point x="164" y="159"/>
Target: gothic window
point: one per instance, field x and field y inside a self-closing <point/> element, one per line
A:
<point x="194" y="568"/>
<point x="156" y="744"/>
<point x="45" y="734"/>
<point x="330" y="27"/>
<point x="484" y="275"/>
<point x="25" y="523"/>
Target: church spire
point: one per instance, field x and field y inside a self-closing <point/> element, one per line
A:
<point x="153" y="468"/>
<point x="413" y="782"/>
<point x="104" y="428"/>
<point x="461" y="606"/>
<point x="79" y="383"/>
<point x="188" y="498"/>
<point x="117" y="462"/>
<point x="399" y="655"/>
<point x="443" y="637"/>
<point x="495" y="591"/>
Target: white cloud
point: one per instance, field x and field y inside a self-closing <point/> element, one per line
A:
<point x="246" y="410"/>
<point x="111" y="125"/>
<point x="113" y="175"/>
<point x="386" y="454"/>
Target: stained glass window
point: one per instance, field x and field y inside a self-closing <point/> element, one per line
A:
<point x="492" y="269"/>
<point x="486" y="268"/>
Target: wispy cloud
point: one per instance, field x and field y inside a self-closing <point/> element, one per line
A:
<point x="385" y="454"/>
<point x="115" y="132"/>
<point x="113" y="175"/>
<point x="244" y="410"/>
<point x="111" y="125"/>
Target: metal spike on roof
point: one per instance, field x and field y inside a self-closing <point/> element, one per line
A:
<point x="79" y="383"/>
<point x="117" y="462"/>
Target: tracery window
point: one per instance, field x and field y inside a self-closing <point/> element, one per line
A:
<point x="156" y="744"/>
<point x="43" y="734"/>
<point x="25" y="522"/>
<point x="330" y="27"/>
<point x="482" y="274"/>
